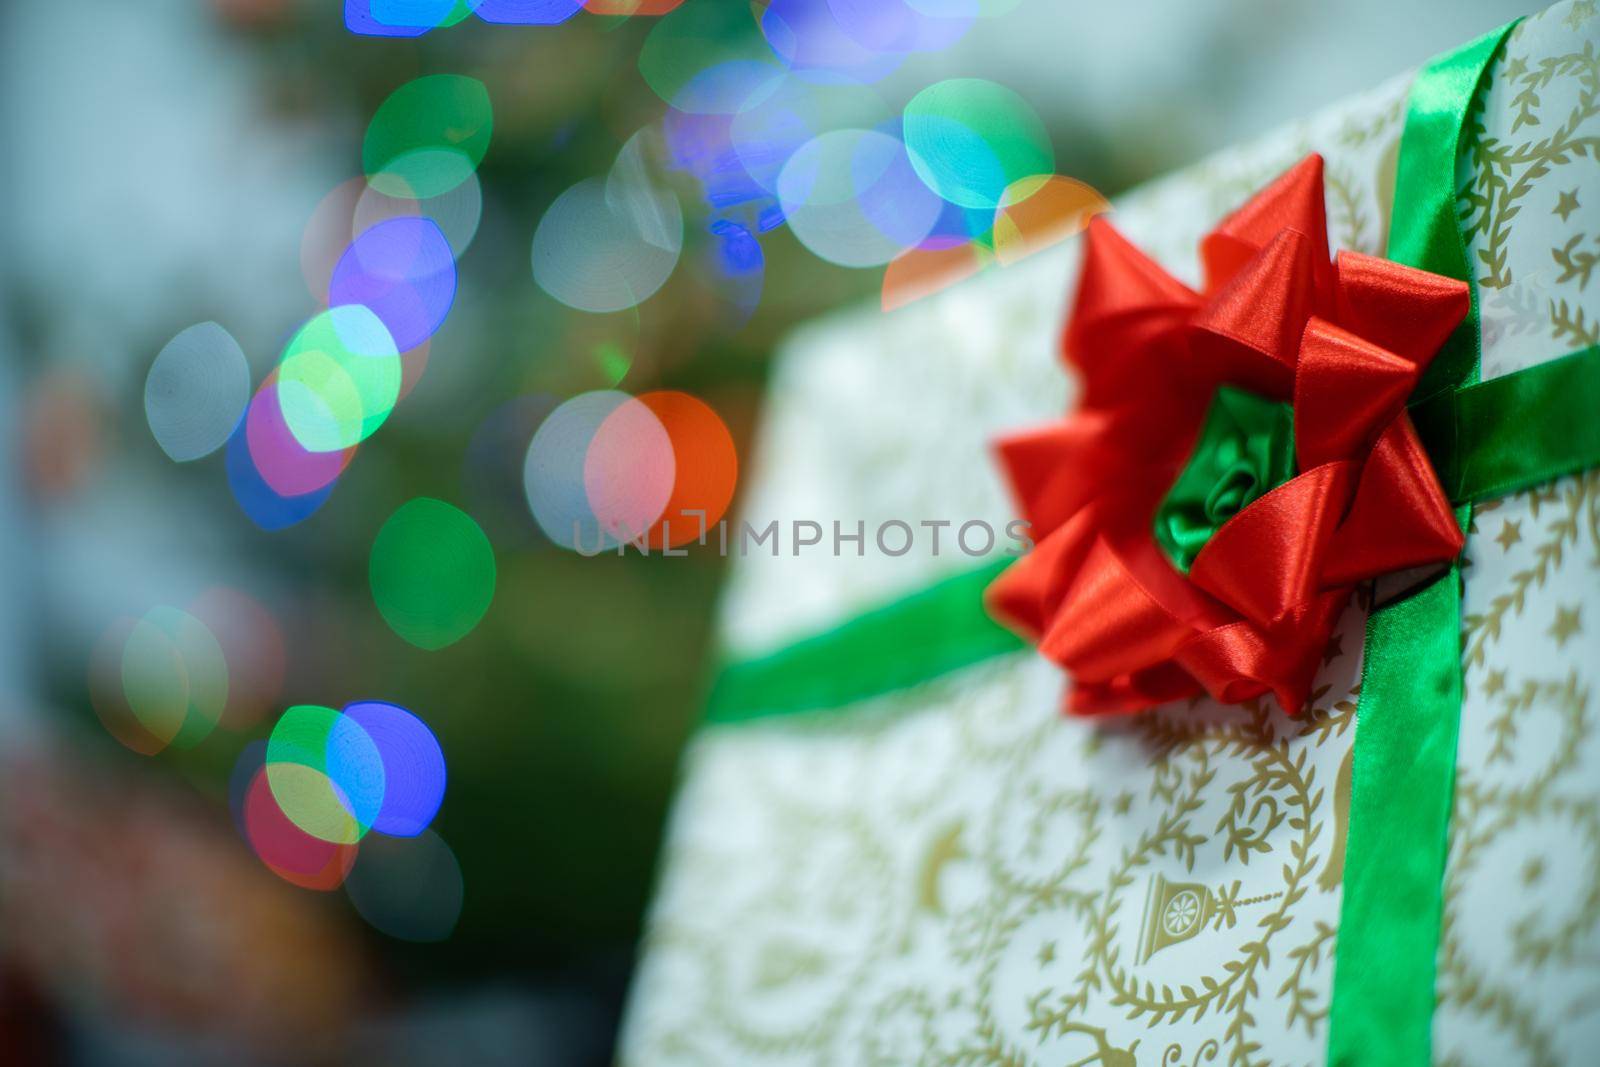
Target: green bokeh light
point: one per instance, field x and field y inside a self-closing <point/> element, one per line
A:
<point x="174" y="676"/>
<point x="969" y="139"/>
<point x="432" y="572"/>
<point x="339" y="379"/>
<point x="694" y="38"/>
<point x="309" y="748"/>
<point x="429" y="136"/>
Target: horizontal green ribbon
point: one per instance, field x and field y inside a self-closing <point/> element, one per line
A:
<point x="932" y="632"/>
<point x="1525" y="429"/>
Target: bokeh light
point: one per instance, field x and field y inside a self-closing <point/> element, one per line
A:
<point x="606" y="244"/>
<point x="360" y="18"/>
<point x="413" y="766"/>
<point x="196" y="391"/>
<point x="969" y="139"/>
<point x="252" y="646"/>
<point x="62" y="435"/>
<point x="903" y="25"/>
<point x="403" y="270"/>
<point x="309" y="795"/>
<point x="109" y="698"/>
<point x="606" y="468"/>
<point x="175" y="676"/>
<point x="705" y="467"/>
<point x="423" y="14"/>
<point x="339" y="377"/>
<point x="808" y="36"/>
<point x="328" y="233"/>
<point x="603" y="348"/>
<point x="528" y="12"/>
<point x="325" y="773"/>
<point x="299" y="858"/>
<point x="408" y="887"/>
<point x="708" y="58"/>
<point x="456" y="212"/>
<point x="853" y="198"/>
<point x="553" y="472"/>
<point x="430" y="134"/>
<point x="158" y="681"/>
<point x="628" y="471"/>
<point x="432" y="573"/>
<point x="934" y="265"/>
<point x="263" y="505"/>
<point x="593" y="257"/>
<point x="771" y="113"/>
<point x="279" y="459"/>
<point x="766" y="133"/>
<point x="1041" y="211"/>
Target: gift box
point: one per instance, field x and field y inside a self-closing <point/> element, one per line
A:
<point x="906" y="835"/>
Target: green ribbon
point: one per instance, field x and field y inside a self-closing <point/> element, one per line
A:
<point x="932" y="632"/>
<point x="1402" y="773"/>
<point x="1245" y="448"/>
<point x="1496" y="437"/>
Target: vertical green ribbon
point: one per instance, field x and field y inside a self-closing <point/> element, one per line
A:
<point x="1403" y="769"/>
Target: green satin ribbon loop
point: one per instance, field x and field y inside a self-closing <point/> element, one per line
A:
<point x="1521" y="430"/>
<point x="1245" y="448"/>
<point x="1409" y="714"/>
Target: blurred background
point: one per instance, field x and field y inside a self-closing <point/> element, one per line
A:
<point x="548" y="210"/>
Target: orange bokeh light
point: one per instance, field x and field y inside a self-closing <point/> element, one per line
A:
<point x="919" y="272"/>
<point x="707" y="466"/>
<point x="1039" y="212"/>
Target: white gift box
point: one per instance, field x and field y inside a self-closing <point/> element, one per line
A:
<point x="954" y="873"/>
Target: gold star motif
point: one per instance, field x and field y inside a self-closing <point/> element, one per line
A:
<point x="1581" y="10"/>
<point x="1566" y="625"/>
<point x="1516" y="68"/>
<point x="1123" y="802"/>
<point x="1047" y="953"/>
<point x="1494" y="684"/>
<point x="1335" y="649"/>
<point x="1510" y="533"/>
<point x="1532" y="871"/>
<point x="1566" y="204"/>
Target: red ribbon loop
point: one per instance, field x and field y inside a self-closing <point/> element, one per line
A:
<point x="1346" y="342"/>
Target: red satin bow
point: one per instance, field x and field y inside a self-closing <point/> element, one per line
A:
<point x="1345" y="341"/>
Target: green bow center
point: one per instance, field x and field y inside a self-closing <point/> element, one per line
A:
<point x="1245" y="449"/>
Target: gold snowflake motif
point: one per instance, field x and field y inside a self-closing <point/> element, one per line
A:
<point x="1567" y="625"/>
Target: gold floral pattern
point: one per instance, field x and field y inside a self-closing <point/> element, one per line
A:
<point x="955" y="875"/>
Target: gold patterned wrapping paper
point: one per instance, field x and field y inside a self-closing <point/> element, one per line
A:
<point x="954" y="874"/>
